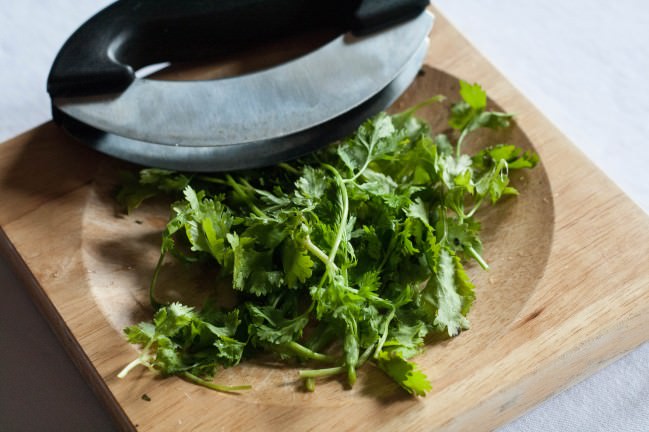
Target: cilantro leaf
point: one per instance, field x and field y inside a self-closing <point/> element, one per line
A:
<point x="297" y="263"/>
<point x="404" y="372"/>
<point x="473" y="95"/>
<point x="442" y="299"/>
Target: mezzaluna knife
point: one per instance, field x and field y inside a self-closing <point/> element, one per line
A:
<point x="246" y="121"/>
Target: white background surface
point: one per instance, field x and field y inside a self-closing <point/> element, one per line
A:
<point x="585" y="64"/>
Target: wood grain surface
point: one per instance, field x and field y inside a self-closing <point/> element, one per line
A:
<point x="568" y="289"/>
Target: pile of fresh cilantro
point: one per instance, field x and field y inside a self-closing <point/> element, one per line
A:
<point x="350" y="256"/>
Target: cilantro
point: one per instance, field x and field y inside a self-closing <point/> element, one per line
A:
<point x="404" y="372"/>
<point x="181" y="342"/>
<point x="349" y="256"/>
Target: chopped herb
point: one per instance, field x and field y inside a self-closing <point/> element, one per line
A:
<point x="349" y="256"/>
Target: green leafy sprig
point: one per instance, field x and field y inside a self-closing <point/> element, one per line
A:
<point x="352" y="255"/>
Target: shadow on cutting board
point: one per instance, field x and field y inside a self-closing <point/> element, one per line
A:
<point x="39" y="166"/>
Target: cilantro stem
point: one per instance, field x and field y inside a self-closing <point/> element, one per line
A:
<point x="365" y="356"/>
<point x="242" y="193"/>
<point x="213" y="386"/>
<point x="410" y="111"/>
<point x="213" y="180"/>
<point x="345" y="211"/>
<point x="384" y="336"/>
<point x="315" y="250"/>
<point x="288" y="168"/>
<point x="388" y="252"/>
<point x="476" y="256"/>
<point x="129" y="367"/>
<point x="315" y="373"/>
<point x="460" y="141"/>
<point x="142" y="359"/>
<point x="306" y="353"/>
<point x="309" y="384"/>
<point x="475" y="208"/>
<point x="442" y="216"/>
<point x="370" y="149"/>
<point x="359" y="173"/>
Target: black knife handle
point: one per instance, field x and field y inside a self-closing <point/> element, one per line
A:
<point x="373" y="15"/>
<point x="102" y="55"/>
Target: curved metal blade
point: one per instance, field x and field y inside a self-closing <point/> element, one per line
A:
<point x="279" y="102"/>
<point x="244" y="155"/>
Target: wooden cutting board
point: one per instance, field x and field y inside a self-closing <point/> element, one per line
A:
<point x="567" y="293"/>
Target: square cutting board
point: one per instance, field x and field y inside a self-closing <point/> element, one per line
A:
<point x="568" y="289"/>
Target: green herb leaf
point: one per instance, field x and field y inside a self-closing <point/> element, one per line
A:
<point x="404" y="372"/>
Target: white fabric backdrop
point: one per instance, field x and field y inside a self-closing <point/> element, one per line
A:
<point x="584" y="64"/>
